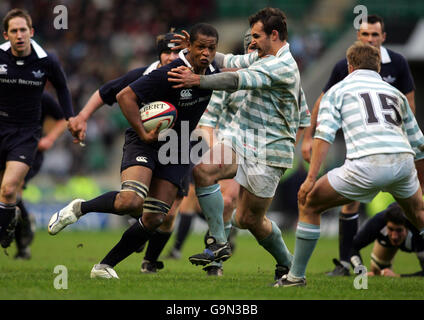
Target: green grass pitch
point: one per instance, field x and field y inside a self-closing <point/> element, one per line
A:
<point x="247" y="275"/>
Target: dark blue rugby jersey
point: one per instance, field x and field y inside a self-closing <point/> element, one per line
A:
<point x="396" y="72"/>
<point x="22" y="81"/>
<point x="50" y="108"/>
<point x="110" y="89"/>
<point x="190" y="103"/>
<point x="375" y="229"/>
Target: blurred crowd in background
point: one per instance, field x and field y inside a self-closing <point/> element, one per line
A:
<point x="106" y="38"/>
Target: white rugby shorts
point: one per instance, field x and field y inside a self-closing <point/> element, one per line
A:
<point x="362" y="179"/>
<point x="257" y="178"/>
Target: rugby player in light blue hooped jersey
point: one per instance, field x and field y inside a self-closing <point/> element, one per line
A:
<point x="382" y="139"/>
<point x="264" y="135"/>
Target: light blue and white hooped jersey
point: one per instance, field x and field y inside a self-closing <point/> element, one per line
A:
<point x="272" y="109"/>
<point x="222" y="107"/>
<point x="375" y="117"/>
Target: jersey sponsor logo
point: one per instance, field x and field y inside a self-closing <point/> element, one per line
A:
<point x="3" y="68"/>
<point x="186" y="94"/>
<point x="389" y="79"/>
<point x="38" y="74"/>
<point x="141" y="159"/>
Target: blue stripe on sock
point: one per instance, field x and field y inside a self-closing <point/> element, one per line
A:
<point x="205" y="191"/>
<point x="308" y="231"/>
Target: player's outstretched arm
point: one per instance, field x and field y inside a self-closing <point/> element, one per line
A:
<point x="78" y="125"/>
<point x="183" y="77"/>
<point x="56" y="131"/>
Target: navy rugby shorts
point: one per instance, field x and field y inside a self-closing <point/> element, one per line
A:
<point x="35" y="167"/>
<point x="139" y="153"/>
<point x="18" y="144"/>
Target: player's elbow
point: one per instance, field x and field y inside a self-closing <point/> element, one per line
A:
<point x="124" y="96"/>
<point x="120" y="97"/>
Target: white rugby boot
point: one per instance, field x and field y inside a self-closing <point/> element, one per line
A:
<point x="65" y="216"/>
<point x="103" y="271"/>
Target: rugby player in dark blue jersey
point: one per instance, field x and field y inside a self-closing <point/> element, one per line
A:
<point x="150" y="184"/>
<point x="395" y="71"/>
<point x="390" y="231"/>
<point x="106" y="94"/>
<point x="24" y="69"/>
<point x="52" y="116"/>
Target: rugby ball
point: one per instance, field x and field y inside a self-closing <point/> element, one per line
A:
<point x="153" y="113"/>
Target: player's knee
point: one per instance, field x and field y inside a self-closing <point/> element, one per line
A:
<point x="154" y="212"/>
<point x="247" y="221"/>
<point x="128" y="202"/>
<point x="229" y="202"/>
<point x="9" y="191"/>
<point x="310" y="209"/>
<point x="168" y="223"/>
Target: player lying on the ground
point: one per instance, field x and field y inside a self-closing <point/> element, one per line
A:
<point x="390" y="231"/>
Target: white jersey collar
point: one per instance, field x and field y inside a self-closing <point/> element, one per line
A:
<point x="37" y="48"/>
<point x="152" y="67"/>
<point x="284" y="48"/>
<point x="365" y="73"/>
<point x="182" y="55"/>
<point x="385" y="58"/>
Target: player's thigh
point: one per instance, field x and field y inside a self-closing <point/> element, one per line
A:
<point x="323" y="197"/>
<point x="137" y="173"/>
<point x="220" y="154"/>
<point x="413" y="208"/>
<point x="419" y="165"/>
<point x="218" y="163"/>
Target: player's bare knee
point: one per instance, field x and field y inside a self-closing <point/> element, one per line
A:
<point x="8" y="191"/>
<point x="152" y="221"/>
<point x="229" y="202"/>
<point x="168" y="223"/>
<point x="128" y="202"/>
<point x="309" y="211"/>
<point x="154" y="212"/>
<point x="247" y="221"/>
